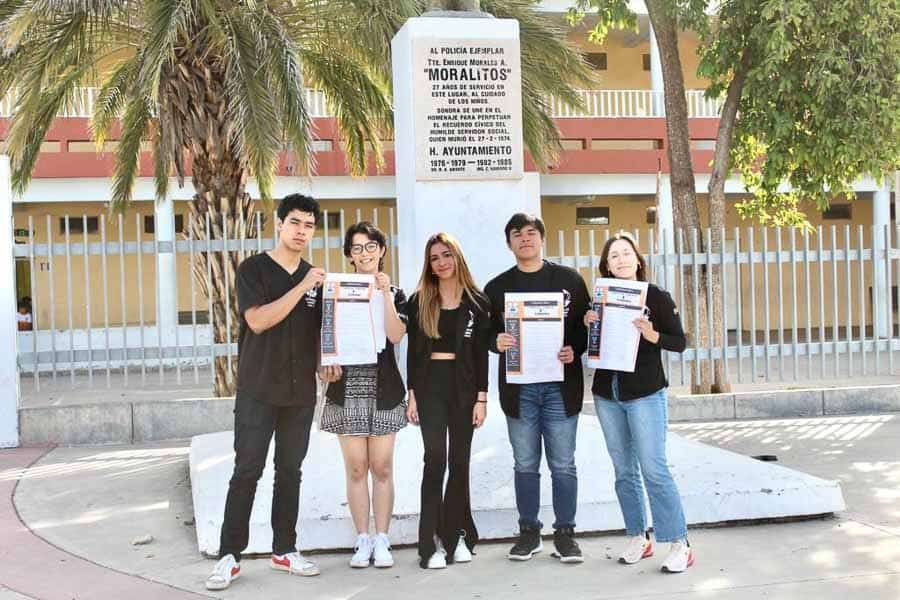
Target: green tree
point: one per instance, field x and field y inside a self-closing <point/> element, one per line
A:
<point x="216" y="86"/>
<point x="811" y="98"/>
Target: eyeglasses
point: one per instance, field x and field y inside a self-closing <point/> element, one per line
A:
<point x="356" y="249"/>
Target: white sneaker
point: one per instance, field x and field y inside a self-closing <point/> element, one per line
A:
<point x="462" y="554"/>
<point x="363" y="552"/>
<point x="382" y="552"/>
<point x="438" y="560"/>
<point x="679" y="559"/>
<point x="294" y="563"/>
<point x="225" y="571"/>
<point x="637" y="547"/>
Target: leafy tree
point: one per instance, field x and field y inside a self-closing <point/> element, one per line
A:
<point x="811" y="99"/>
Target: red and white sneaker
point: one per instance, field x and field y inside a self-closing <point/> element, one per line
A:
<point x="294" y="563"/>
<point x="637" y="548"/>
<point x="225" y="571"/>
<point x="679" y="559"/>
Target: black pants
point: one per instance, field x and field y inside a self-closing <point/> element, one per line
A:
<point x="445" y="513"/>
<point x="254" y="424"/>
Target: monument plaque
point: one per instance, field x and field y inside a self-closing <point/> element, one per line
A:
<point x="468" y="97"/>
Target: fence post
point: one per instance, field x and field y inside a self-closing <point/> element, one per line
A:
<point x="167" y="303"/>
<point x="9" y="375"/>
<point x="881" y="218"/>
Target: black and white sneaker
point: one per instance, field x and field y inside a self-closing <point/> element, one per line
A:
<point x="567" y="549"/>
<point x="528" y="544"/>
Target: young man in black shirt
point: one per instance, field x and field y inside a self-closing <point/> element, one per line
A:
<point x="278" y="354"/>
<point x="542" y="413"/>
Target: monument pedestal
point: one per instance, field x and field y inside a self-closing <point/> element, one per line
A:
<point x="716" y="486"/>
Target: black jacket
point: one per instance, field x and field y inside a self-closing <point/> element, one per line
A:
<point x="561" y="278"/>
<point x="648" y="376"/>
<point x="472" y="332"/>
<point x="391" y="390"/>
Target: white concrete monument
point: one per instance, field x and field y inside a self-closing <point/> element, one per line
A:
<point x="9" y="376"/>
<point x="458" y="140"/>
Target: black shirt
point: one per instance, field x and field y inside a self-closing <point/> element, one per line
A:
<point x="551" y="277"/>
<point x="278" y="366"/>
<point x="447" y="331"/>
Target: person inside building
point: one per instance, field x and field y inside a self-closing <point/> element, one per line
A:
<point x="365" y="406"/>
<point x="278" y="354"/>
<point x="24" y="320"/>
<point x="447" y="376"/>
<point x="542" y="414"/>
<point x="633" y="412"/>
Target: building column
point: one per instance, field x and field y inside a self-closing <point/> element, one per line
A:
<point x="656" y="77"/>
<point x="9" y="373"/>
<point x="166" y="300"/>
<point x="881" y="218"/>
<point x="665" y="225"/>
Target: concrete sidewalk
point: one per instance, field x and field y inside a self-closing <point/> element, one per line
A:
<point x="91" y="502"/>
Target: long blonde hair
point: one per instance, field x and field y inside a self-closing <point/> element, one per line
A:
<point x="428" y="290"/>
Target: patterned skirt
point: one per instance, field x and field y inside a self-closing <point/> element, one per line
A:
<point x="359" y="415"/>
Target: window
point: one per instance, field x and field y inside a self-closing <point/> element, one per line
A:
<point x="645" y="61"/>
<point x="150" y="224"/>
<point x="334" y="221"/>
<point x="76" y="225"/>
<point x="592" y="215"/>
<point x="597" y="60"/>
<point x="838" y="212"/>
<point x="651" y="215"/>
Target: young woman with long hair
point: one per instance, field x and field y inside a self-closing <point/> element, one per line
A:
<point x="447" y="376"/>
<point x="633" y="412"/>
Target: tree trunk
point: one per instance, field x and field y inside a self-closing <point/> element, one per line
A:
<point x="684" y="199"/>
<point x="456" y="5"/>
<point x="721" y="169"/>
<point x="193" y="120"/>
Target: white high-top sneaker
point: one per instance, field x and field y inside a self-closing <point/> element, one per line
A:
<point x="382" y="552"/>
<point x="363" y="552"/>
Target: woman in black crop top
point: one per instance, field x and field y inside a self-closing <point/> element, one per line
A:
<point x="633" y="413"/>
<point x="447" y="373"/>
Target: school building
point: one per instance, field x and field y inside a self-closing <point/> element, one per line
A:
<point x="606" y="179"/>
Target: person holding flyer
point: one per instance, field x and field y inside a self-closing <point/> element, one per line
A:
<point x="633" y="412"/>
<point x="447" y="374"/>
<point x="365" y="407"/>
<point x="541" y="413"/>
<point x="278" y="354"/>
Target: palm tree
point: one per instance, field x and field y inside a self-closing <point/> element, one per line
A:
<point x="216" y="87"/>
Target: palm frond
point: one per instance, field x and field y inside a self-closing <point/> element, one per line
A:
<point x="138" y="114"/>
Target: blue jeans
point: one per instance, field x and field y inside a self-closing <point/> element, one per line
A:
<point x="542" y="414"/>
<point x="635" y="433"/>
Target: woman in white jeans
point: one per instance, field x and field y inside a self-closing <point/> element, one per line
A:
<point x="633" y="413"/>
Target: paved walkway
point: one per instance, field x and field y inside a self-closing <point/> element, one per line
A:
<point x="91" y="502"/>
<point x="31" y="567"/>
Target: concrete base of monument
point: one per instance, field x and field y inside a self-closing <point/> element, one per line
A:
<point x="716" y="486"/>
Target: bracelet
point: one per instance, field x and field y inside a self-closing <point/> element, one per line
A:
<point x="481" y="402"/>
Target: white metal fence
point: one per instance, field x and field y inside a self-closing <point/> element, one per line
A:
<point x="97" y="294"/>
<point x="799" y="305"/>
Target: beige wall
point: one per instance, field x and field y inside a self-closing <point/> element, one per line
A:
<point x="624" y="63"/>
